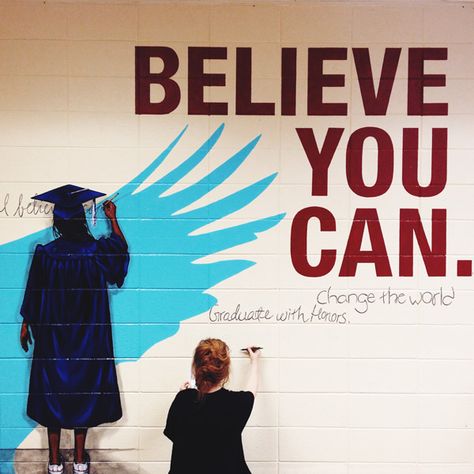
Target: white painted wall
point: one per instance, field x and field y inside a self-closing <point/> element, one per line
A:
<point x="390" y="393"/>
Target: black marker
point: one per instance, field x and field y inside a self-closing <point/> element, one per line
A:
<point x="254" y="348"/>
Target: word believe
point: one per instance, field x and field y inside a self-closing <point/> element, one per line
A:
<point x="375" y="99"/>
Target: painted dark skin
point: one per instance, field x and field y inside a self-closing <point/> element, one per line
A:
<point x="110" y="210"/>
<point x="54" y="434"/>
<point x="25" y="336"/>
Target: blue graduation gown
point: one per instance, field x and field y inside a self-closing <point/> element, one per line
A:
<point x="73" y="382"/>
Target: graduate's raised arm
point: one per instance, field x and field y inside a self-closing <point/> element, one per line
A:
<point x="110" y="210"/>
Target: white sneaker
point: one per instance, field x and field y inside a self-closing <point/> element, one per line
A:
<point x="56" y="468"/>
<point x="81" y="467"/>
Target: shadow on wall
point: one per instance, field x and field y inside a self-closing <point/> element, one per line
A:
<point x="164" y="250"/>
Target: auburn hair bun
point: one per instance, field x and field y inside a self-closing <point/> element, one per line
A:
<point x="211" y="364"/>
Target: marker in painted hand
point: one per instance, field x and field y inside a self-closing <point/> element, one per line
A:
<point x="114" y="196"/>
<point x="254" y="348"/>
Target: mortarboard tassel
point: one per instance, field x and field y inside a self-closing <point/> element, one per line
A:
<point x="94" y="213"/>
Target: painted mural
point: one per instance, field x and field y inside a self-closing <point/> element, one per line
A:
<point x="292" y="177"/>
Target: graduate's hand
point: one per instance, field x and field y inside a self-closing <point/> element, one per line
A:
<point x="25" y="336"/>
<point x="185" y="386"/>
<point x="110" y="209"/>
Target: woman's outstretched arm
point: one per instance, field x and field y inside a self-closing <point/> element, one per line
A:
<point x="252" y="379"/>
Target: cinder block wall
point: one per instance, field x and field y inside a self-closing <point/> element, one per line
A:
<point x="389" y="392"/>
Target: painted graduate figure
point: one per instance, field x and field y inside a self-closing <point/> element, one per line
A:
<point x="73" y="382"/>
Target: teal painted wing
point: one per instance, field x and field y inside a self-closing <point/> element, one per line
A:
<point x="166" y="284"/>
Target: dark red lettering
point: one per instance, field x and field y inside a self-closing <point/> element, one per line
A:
<point x="299" y="242"/>
<point x="353" y="254"/>
<point x="288" y="81"/>
<point x="418" y="80"/>
<point x="198" y="79"/>
<point x="434" y="257"/>
<point x="354" y="168"/>
<point x="243" y="89"/>
<point x="317" y="81"/>
<point x="376" y="103"/>
<point x="439" y="162"/>
<point x="144" y="79"/>
<point x="319" y="160"/>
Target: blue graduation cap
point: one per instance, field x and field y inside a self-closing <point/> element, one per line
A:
<point x="68" y="200"/>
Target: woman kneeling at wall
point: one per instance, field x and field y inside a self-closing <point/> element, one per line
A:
<point x="205" y="424"/>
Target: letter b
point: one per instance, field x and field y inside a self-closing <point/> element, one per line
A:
<point x="144" y="78"/>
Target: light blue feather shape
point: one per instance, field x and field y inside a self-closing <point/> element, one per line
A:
<point x="165" y="284"/>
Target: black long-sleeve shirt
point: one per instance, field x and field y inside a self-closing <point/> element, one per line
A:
<point x="207" y="433"/>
